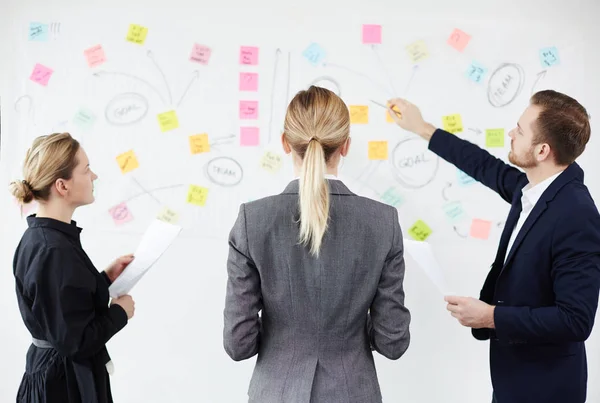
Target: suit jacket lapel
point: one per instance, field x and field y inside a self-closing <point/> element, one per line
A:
<point x="537" y="211"/>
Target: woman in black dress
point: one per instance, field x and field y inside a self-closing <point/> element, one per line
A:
<point x="63" y="299"/>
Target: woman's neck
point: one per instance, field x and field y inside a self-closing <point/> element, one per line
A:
<point x="54" y="210"/>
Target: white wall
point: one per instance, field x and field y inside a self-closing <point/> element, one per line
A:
<point x="172" y="350"/>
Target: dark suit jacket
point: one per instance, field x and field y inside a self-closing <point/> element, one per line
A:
<point x="546" y="294"/>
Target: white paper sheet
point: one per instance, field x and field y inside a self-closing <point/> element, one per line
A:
<point x="422" y="254"/>
<point x="156" y="240"/>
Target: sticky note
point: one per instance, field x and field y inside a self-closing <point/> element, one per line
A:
<point x="271" y="162"/>
<point x="476" y="72"/>
<point x="419" y="231"/>
<point x="378" y="150"/>
<point x="248" y="81"/>
<point x="392" y="197"/>
<point x="168" y="121"/>
<point x="167" y="215"/>
<point x="197" y="195"/>
<point x="359" y="114"/>
<point x="388" y="117"/>
<point x="371" y="33"/>
<point x="41" y="74"/>
<point x="454" y="211"/>
<point x="84" y="119"/>
<point x="480" y="229"/>
<point x="249" y="136"/>
<point x="452" y="123"/>
<point x="95" y="56"/>
<point x="120" y="214"/>
<point x="249" y="55"/>
<point x="127" y="161"/>
<point x="459" y="40"/>
<point x="463" y="178"/>
<point x="248" y="109"/>
<point x="314" y="53"/>
<point x="200" y="54"/>
<point x="38" y="32"/>
<point x="199" y="143"/>
<point x="137" y="34"/>
<point x="494" y="138"/>
<point x="417" y="51"/>
<point x="549" y="56"/>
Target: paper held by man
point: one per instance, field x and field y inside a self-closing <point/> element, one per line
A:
<point x="422" y="254"/>
<point x="155" y="241"/>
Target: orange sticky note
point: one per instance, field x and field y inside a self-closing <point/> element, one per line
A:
<point x="459" y="40"/>
<point x="388" y="117"/>
<point x="378" y="150"/>
<point x="359" y="114"/>
<point x="480" y="229"/>
<point x="197" y="195"/>
<point x="127" y="161"/>
<point x="199" y="143"/>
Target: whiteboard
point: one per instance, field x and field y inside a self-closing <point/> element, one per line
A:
<point x="189" y="67"/>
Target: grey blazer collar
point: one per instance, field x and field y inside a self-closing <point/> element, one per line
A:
<point x="336" y="187"/>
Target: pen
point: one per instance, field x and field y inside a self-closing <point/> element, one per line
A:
<point x="385" y="107"/>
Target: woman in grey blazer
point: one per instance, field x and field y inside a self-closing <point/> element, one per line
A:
<point x="315" y="273"/>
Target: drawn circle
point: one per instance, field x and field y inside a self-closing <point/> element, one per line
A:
<point x="413" y="165"/>
<point x="329" y="83"/>
<point x="224" y="171"/>
<point x="126" y="109"/>
<point x="502" y="87"/>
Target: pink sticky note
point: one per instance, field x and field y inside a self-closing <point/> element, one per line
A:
<point x="248" y="81"/>
<point x="249" y="55"/>
<point x="248" y="109"/>
<point x="120" y="214"/>
<point x="480" y="228"/>
<point x="249" y="136"/>
<point x="459" y="40"/>
<point x="95" y="56"/>
<point x="371" y="33"/>
<point x="200" y="54"/>
<point x="41" y="74"/>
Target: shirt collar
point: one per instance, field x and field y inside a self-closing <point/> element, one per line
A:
<point x="71" y="230"/>
<point x="533" y="193"/>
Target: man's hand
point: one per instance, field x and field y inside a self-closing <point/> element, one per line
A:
<point x="116" y="268"/>
<point x="409" y="118"/>
<point x="471" y="312"/>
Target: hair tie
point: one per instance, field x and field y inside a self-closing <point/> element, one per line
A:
<point x="28" y="185"/>
<point x="315" y="139"/>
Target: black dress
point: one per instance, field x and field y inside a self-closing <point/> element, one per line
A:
<point x="63" y="300"/>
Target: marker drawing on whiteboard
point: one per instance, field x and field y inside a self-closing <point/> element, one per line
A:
<point x="320" y="82"/>
<point x="393" y="93"/>
<point x="475" y="130"/>
<point x="448" y="186"/>
<point x="224" y="171"/>
<point x="505" y="84"/>
<point x="413" y="165"/>
<point x="126" y="109"/>
<point x="539" y="76"/>
<point x="195" y="76"/>
<point x="272" y="106"/>
<point x="150" y="54"/>
<point x="410" y="80"/>
<point x="103" y="73"/>
<point x="150" y="191"/>
<point x="458" y="232"/>
<point x="30" y="106"/>
<point x="146" y="191"/>
<point x="363" y="75"/>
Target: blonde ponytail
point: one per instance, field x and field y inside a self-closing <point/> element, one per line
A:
<point x="314" y="197"/>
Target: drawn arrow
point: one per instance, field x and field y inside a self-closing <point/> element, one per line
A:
<point x="151" y="56"/>
<point x="539" y="76"/>
<point x="475" y="130"/>
<point x="349" y="70"/>
<point x="374" y="48"/>
<point x="410" y="80"/>
<point x="458" y="233"/>
<point x="103" y="73"/>
<point x="448" y="186"/>
<point x="195" y="76"/>
<point x="224" y="139"/>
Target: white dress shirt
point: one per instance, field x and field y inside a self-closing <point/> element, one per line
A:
<point x="531" y="195"/>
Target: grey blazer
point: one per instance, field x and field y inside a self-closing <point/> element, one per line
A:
<point x="320" y="318"/>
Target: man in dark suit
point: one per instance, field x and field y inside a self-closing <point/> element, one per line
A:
<point x="538" y="303"/>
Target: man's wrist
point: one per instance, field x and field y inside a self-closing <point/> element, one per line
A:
<point x="427" y="131"/>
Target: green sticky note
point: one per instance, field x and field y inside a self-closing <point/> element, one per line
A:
<point x="392" y="197"/>
<point x="494" y="138"/>
<point x="420" y="231"/>
<point x="84" y="119"/>
<point x="454" y="211"/>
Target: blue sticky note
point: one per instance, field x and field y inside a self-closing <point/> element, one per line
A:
<point x="463" y="178"/>
<point x="454" y="211"/>
<point x="314" y="53"/>
<point x="549" y="56"/>
<point x="38" y="31"/>
<point x="476" y="72"/>
<point x="85" y="119"/>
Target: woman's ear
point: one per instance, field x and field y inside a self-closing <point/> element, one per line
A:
<point x="345" y="147"/>
<point x="285" y="144"/>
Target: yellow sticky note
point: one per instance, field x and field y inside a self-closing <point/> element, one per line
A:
<point x="168" y="121"/>
<point x="168" y="215"/>
<point x="137" y="34"/>
<point x="378" y="150"/>
<point x="197" y="195"/>
<point x="199" y="144"/>
<point x="359" y="114"/>
<point x="420" y="231"/>
<point x="494" y="138"/>
<point x="271" y="162"/>
<point x="452" y="123"/>
<point x="388" y="117"/>
<point x="127" y="161"/>
<point x="417" y="51"/>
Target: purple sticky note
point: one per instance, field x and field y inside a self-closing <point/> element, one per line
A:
<point x="248" y="81"/>
<point x="371" y="33"/>
<point x="200" y="54"/>
<point x="248" y="109"/>
<point x="120" y="214"/>
<point x="249" y="55"/>
<point x="249" y="136"/>
<point x="41" y="74"/>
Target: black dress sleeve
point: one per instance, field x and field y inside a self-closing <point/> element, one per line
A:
<point x="64" y="305"/>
